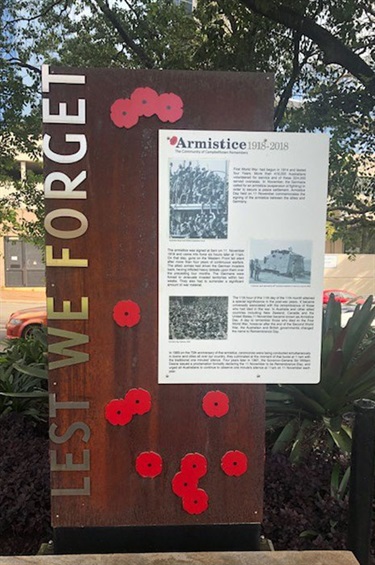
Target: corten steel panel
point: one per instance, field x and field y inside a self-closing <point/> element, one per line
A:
<point x="121" y="245"/>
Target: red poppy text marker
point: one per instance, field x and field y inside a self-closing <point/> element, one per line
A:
<point x="144" y="101"/>
<point x="215" y="404"/>
<point x="124" y="114"/>
<point x="234" y="463"/>
<point x="126" y="313"/>
<point x="169" y="107"/>
<point x="183" y="484"/>
<point x="195" y="502"/>
<point x="149" y="464"/>
<point x="194" y="465"/>
<point x="138" y="401"/>
<point x="117" y="412"/>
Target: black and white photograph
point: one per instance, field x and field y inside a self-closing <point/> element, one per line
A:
<point x="198" y="199"/>
<point x="280" y="262"/>
<point x="198" y="317"/>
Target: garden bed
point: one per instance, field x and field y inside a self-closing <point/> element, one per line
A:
<point x="24" y="486"/>
<point x="299" y="511"/>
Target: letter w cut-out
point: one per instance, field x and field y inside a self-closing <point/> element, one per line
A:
<point x="62" y="348"/>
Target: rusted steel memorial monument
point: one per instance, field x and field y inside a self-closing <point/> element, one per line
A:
<point x="156" y="425"/>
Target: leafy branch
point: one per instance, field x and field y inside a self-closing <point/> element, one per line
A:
<point x="334" y="49"/>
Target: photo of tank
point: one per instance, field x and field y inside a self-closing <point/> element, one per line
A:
<point x="282" y="263"/>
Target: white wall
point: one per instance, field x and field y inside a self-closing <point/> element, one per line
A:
<point x="356" y="275"/>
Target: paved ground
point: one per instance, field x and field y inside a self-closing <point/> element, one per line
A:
<point x="12" y="299"/>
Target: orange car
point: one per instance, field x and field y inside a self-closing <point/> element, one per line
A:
<point x="23" y="322"/>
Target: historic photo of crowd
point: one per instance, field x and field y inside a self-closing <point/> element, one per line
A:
<point x="198" y="199"/>
<point x="198" y="317"/>
<point x="280" y="262"/>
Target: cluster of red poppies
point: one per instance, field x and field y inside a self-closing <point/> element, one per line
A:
<point x="126" y="313"/>
<point x="120" y="412"/>
<point x="125" y="112"/>
<point x="185" y="483"/>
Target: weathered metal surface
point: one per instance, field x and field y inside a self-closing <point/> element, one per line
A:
<point x="121" y="246"/>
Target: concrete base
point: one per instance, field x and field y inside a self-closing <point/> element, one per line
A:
<point x="209" y="558"/>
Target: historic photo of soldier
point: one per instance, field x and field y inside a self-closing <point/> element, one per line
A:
<point x="198" y="317"/>
<point x="280" y="262"/>
<point x="198" y="192"/>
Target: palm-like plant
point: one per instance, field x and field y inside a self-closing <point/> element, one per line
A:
<point x="302" y="415"/>
<point x="23" y="377"/>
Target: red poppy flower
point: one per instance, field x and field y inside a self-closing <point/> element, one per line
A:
<point x="169" y="107"/>
<point x="138" y="401"/>
<point x="234" y="463"/>
<point x="126" y="313"/>
<point x="215" y="403"/>
<point x="117" y="413"/>
<point x="144" y="101"/>
<point x="195" y="502"/>
<point x="194" y="464"/>
<point x="149" y="464"/>
<point x="182" y="483"/>
<point x="123" y="113"/>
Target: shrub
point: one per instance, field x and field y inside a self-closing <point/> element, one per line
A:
<point x="23" y="377"/>
<point x="301" y="415"/>
<point x="301" y="514"/>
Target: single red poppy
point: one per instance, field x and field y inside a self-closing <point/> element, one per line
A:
<point x="117" y="413"/>
<point x="126" y="313"/>
<point x="123" y="113"/>
<point x="149" y="464"/>
<point x="215" y="404"/>
<point x="195" y="502"/>
<point x="183" y="483"/>
<point x="144" y="101"/>
<point x="194" y="464"/>
<point x="169" y="107"/>
<point x="138" y="401"/>
<point x="234" y="463"/>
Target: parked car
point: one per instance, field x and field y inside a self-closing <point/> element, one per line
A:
<point x="23" y="322"/>
<point x="342" y="296"/>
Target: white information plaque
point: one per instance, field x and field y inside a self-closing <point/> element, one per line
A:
<point x="241" y="256"/>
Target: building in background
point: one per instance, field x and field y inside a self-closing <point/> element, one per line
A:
<point x="189" y="5"/>
<point x="21" y="263"/>
<point x="355" y="273"/>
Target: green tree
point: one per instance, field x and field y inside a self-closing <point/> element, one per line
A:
<point x="320" y="50"/>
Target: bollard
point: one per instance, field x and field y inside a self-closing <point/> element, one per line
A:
<point x="362" y="480"/>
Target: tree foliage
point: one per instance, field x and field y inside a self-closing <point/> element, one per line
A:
<point x="319" y="50"/>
